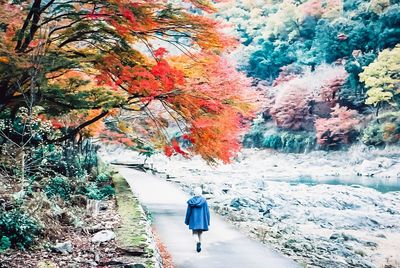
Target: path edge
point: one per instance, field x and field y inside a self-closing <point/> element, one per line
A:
<point x="134" y="235"/>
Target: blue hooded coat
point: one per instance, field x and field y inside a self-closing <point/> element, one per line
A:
<point x="197" y="214"/>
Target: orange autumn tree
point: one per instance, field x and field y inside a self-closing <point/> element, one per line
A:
<point x="97" y="58"/>
<point x="217" y="103"/>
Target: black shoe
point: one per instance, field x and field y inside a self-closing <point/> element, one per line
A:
<point x="198" y="247"/>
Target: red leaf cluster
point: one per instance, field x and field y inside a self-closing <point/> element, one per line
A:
<point x="160" y="52"/>
<point x="174" y="148"/>
<point x="143" y="81"/>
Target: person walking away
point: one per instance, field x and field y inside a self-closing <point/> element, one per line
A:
<point x="197" y="216"/>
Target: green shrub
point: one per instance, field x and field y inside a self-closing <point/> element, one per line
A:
<point x="18" y="228"/>
<point x="93" y="191"/>
<point x="253" y="139"/>
<point x="373" y="135"/>
<point x="103" y="177"/>
<point x="287" y="141"/>
<point x="53" y="160"/>
<point x="89" y="159"/>
<point x="273" y="141"/>
<point x="298" y="142"/>
<point x="107" y="191"/>
<point x="5" y="243"/>
<point x="69" y="160"/>
<point x="385" y="129"/>
<point x="59" y="186"/>
<point x="265" y="135"/>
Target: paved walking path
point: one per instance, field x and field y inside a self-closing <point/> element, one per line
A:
<point x="223" y="246"/>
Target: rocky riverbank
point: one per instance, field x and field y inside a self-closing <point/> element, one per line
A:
<point x="321" y="225"/>
<point x="324" y="223"/>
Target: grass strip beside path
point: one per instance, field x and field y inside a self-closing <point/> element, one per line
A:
<point x="133" y="236"/>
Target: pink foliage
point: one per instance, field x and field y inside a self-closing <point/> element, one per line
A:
<point x="291" y="109"/>
<point x="312" y="8"/>
<point x="295" y="101"/>
<point x="328" y="92"/>
<point x="332" y="85"/>
<point x="318" y="8"/>
<point x="286" y="74"/>
<point x="336" y="130"/>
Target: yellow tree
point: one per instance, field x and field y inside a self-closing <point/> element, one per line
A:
<point x="382" y="79"/>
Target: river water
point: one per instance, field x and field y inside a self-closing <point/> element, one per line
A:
<point x="380" y="184"/>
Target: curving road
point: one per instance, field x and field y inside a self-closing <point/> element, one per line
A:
<point x="223" y="246"/>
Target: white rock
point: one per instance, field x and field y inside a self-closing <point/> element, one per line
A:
<point x="385" y="162"/>
<point x="103" y="236"/>
<point x="373" y="167"/>
<point x="65" y="247"/>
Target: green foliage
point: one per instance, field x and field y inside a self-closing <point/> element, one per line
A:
<point x="26" y="131"/>
<point x="253" y="139"/>
<point x="19" y="228"/>
<point x="106" y="191"/>
<point x="388" y="27"/>
<point x="385" y="129"/>
<point x="73" y="169"/>
<point x="352" y="93"/>
<point x="80" y="99"/>
<point x="24" y="128"/>
<point x="373" y="135"/>
<point x="266" y="62"/>
<point x="297" y="142"/>
<point x="103" y="177"/>
<point x="50" y="156"/>
<point x="273" y="141"/>
<point x="63" y="160"/>
<point x="59" y="186"/>
<point x="313" y="39"/>
<point x="99" y="189"/>
<point x="145" y="150"/>
<point x="5" y="243"/>
<point x="286" y="141"/>
<point x="93" y="191"/>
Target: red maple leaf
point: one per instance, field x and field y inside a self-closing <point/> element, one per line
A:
<point x="159" y="53"/>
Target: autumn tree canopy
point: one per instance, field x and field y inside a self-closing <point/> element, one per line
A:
<point x="382" y="78"/>
<point x="84" y="60"/>
<point x="308" y="56"/>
